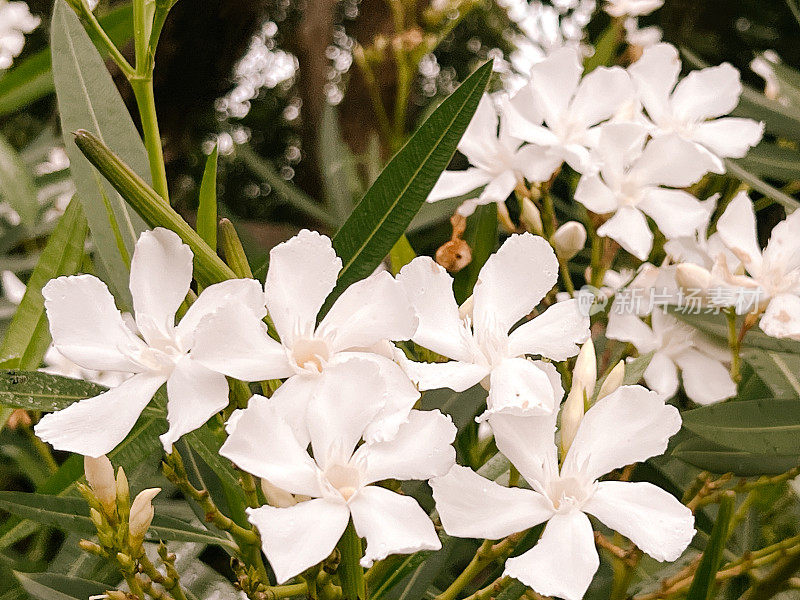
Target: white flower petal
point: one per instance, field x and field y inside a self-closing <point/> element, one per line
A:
<point x="705" y="379"/>
<point x="235" y="342"/>
<point x="457" y="183"/>
<point x="421" y="449"/>
<point x="472" y="506"/>
<point x="455" y="375"/>
<point x="392" y="524"/>
<point x="661" y="375"/>
<point x="671" y="161"/>
<point x="161" y="272"/>
<point x="783" y="249"/>
<point x="242" y="292"/>
<point x="346" y="399"/>
<point x="641" y="424"/>
<point x="262" y="443"/>
<point x="655" y="74"/>
<point x="499" y="188"/>
<point x="291" y="403"/>
<point x="430" y="291"/>
<point x="677" y="213"/>
<point x="529" y="443"/>
<point x="194" y="394"/>
<point x="782" y="317"/>
<point x="481" y="131"/>
<point x="600" y="94"/>
<point x="555" y="334"/>
<point x="707" y="93"/>
<point x="595" y="195"/>
<point x="564" y="560"/>
<point x="96" y="426"/>
<point x="519" y="387"/>
<point x="513" y="281"/>
<point x="737" y="229"/>
<point x="86" y="326"/>
<point x="650" y="517"/>
<point x="628" y="327"/>
<point x="298" y="537"/>
<point x="536" y="163"/>
<point x="554" y="81"/>
<point x="369" y="311"/>
<point x="729" y="136"/>
<point x="628" y="227"/>
<point x="302" y="272"/>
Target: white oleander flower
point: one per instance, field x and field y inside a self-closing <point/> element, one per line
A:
<point x="773" y="275"/>
<point x="498" y="162"/>
<point x="643" y="37"/>
<point x="559" y="111"/>
<point x="634" y="181"/>
<point x="629" y="425"/>
<point x="302" y="273"/>
<point x="510" y="285"/>
<point x="88" y="329"/>
<point x="692" y="108"/>
<point x="339" y="475"/>
<point x="631" y="8"/>
<point x="15" y="21"/>
<point x="677" y="347"/>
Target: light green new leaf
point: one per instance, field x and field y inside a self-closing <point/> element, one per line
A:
<point x="16" y="184"/>
<point x="705" y="578"/>
<point x="768" y="426"/>
<point x="634" y="370"/>
<point x="207" y="209"/>
<point x="88" y="99"/>
<point x="28" y="337"/>
<point x="52" y="586"/>
<point x="388" y="207"/>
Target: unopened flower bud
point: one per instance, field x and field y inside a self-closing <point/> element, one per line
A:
<point x="277" y="497"/>
<point x="692" y="277"/>
<point x="530" y="217"/>
<point x="100" y="475"/>
<point x="571" y="416"/>
<point x="465" y="310"/>
<point x="569" y="239"/>
<point x="613" y="380"/>
<point x="585" y="373"/>
<point x="141" y="515"/>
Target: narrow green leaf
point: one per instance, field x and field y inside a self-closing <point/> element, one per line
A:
<point x="16" y="184"/>
<point x="72" y="514"/>
<point x="772" y="161"/>
<point x="88" y="99"/>
<point x="379" y="588"/>
<point x="779" y="120"/>
<point x="780" y="371"/>
<point x="481" y="235"/>
<point x="768" y="427"/>
<point x="605" y="50"/>
<point x="339" y="175"/>
<point x="789" y="203"/>
<point x="28" y="337"/>
<point x="32" y="78"/>
<point x="705" y="579"/>
<point x="712" y="457"/>
<point x="52" y="586"/>
<point x="207" y="209"/>
<point x="400" y="255"/>
<point x="388" y="207"/>
<point x="634" y="370"/>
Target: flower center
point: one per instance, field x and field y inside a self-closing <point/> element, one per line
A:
<point x="567" y="493"/>
<point x="345" y="479"/>
<point x="310" y="354"/>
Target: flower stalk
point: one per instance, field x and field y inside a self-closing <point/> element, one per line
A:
<point x="351" y="573"/>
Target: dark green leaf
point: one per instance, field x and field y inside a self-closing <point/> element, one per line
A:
<point x="780" y="371"/>
<point x="28" y="337"/>
<point x="481" y="235"/>
<point x="52" y="586"/>
<point x="395" y="575"/>
<point x="388" y="207"/>
<point x="207" y="208"/>
<point x="16" y="185"/>
<point x="772" y="161"/>
<point x="789" y="203"/>
<point x="712" y="457"/>
<point x="88" y="99"/>
<point x="634" y="370"/>
<point x="768" y="427"/>
<point x="705" y="578"/>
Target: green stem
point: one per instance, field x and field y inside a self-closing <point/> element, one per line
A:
<point x="351" y="573"/>
<point x="145" y="100"/>
<point x="733" y="342"/>
<point x="563" y="266"/>
<point x="91" y="22"/>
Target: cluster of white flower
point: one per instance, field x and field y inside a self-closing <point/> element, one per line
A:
<point x="15" y="21"/>
<point x="344" y="417"/>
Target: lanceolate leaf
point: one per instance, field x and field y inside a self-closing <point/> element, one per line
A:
<point x="28" y="337"/>
<point x="388" y="207"/>
<point x="88" y="99"/>
<point x="704" y="581"/>
<point x="207" y="209"/>
<point x="16" y="185"/>
<point x="780" y="371"/>
<point x="51" y="586"/>
<point x="768" y="427"/>
<point x="481" y="235"/>
<point x="712" y="457"/>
